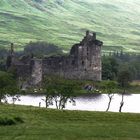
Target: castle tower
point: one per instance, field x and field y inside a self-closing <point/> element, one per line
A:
<point x="88" y="57"/>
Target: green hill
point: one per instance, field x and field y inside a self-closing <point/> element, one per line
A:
<point x="64" y="22"/>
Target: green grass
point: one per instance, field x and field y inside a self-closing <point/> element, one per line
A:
<point x="116" y="22"/>
<point x="47" y="124"/>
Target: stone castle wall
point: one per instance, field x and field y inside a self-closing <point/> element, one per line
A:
<point x="83" y="62"/>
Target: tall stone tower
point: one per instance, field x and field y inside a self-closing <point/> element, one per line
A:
<point x="88" y="57"/>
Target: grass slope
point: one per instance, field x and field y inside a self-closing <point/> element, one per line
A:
<point x="43" y="124"/>
<point x="64" y="22"/>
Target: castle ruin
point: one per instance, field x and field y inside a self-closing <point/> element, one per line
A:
<point x="83" y="62"/>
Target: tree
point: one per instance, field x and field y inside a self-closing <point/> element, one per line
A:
<point x="59" y="91"/>
<point x="109" y="88"/>
<point x="41" y="49"/>
<point x="110" y="96"/>
<point x="109" y="68"/>
<point x="121" y="103"/>
<point x="124" y="78"/>
<point x="8" y="85"/>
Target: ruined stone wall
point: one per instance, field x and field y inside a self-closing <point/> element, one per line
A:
<point x="83" y="62"/>
<point x="29" y="73"/>
<point x="22" y="70"/>
<point x="57" y="65"/>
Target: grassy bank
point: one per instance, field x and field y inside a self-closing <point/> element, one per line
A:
<point x="46" y="124"/>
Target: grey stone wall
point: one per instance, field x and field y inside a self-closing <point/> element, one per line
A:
<point x="23" y="70"/>
<point x="83" y="62"/>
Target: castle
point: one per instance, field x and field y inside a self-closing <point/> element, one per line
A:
<point x="83" y="62"/>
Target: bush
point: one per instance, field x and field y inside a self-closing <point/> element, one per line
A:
<point x="4" y="121"/>
<point x="7" y="121"/>
<point x="18" y="119"/>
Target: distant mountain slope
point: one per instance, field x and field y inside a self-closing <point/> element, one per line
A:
<point x="64" y="22"/>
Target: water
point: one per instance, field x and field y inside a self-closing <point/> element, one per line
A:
<point x="89" y="102"/>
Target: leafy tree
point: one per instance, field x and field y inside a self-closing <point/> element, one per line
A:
<point x="109" y="87"/>
<point x="41" y="49"/>
<point x="119" y="61"/>
<point x="8" y="85"/>
<point x="60" y="91"/>
<point x="135" y="69"/>
<point x="124" y="78"/>
<point x="109" y="68"/>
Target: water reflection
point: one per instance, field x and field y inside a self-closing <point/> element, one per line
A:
<point x="97" y="102"/>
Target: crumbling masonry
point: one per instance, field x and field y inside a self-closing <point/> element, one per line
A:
<point x="83" y="62"/>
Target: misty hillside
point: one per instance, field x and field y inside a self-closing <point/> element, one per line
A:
<point x="64" y="22"/>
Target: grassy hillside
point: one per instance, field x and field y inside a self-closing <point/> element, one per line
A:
<point x="64" y="22"/>
<point x="46" y="124"/>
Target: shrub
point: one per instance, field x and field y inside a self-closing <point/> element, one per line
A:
<point x="18" y="119"/>
<point x="7" y="121"/>
<point x="4" y="121"/>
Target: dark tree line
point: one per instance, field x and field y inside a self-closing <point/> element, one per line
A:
<point x="3" y="56"/>
<point x="112" y="64"/>
<point x="35" y="49"/>
<point x="42" y="49"/>
<point x="115" y="63"/>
